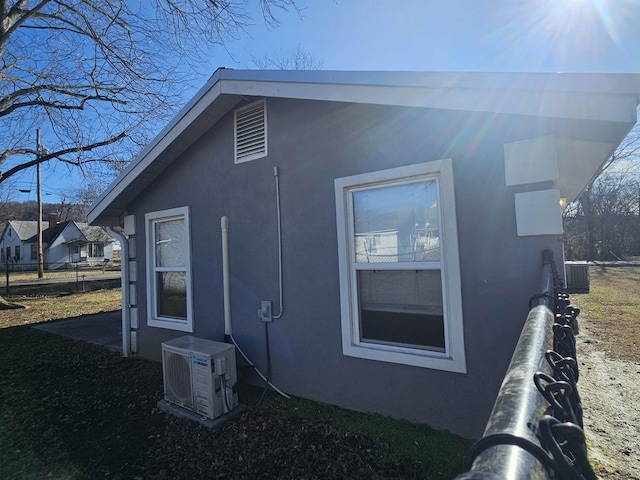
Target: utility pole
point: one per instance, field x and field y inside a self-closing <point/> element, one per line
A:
<point x="40" y="259"/>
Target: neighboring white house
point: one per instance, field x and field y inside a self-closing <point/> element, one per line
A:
<point x="63" y="244"/>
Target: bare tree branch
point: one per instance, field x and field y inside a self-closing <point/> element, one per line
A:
<point x="59" y="155"/>
<point x="80" y="70"/>
<point x="298" y="59"/>
<point x="604" y="223"/>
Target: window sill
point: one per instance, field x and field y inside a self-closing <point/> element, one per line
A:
<point x="169" y="324"/>
<point x="417" y="358"/>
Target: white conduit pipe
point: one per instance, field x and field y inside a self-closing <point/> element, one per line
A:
<point x="275" y="174"/>
<point x="224" y="224"/>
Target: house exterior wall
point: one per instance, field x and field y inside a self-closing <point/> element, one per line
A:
<point x="313" y="143"/>
<point x="59" y="253"/>
<point x="11" y="239"/>
<point x="57" y="256"/>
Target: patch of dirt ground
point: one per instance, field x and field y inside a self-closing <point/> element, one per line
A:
<point x="609" y="385"/>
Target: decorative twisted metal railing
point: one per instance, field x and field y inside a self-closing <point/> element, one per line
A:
<point x="535" y="430"/>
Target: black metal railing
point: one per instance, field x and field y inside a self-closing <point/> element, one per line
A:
<point x="535" y="428"/>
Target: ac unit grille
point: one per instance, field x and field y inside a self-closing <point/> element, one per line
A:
<point x="178" y="378"/>
<point x="577" y="277"/>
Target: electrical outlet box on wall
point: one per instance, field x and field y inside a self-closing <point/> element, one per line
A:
<point x="265" y="312"/>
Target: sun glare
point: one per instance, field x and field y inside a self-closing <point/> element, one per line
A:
<point x="580" y="27"/>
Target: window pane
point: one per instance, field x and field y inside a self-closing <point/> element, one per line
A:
<point x="170" y="243"/>
<point x="397" y="224"/>
<point x="401" y="307"/>
<point x="172" y="294"/>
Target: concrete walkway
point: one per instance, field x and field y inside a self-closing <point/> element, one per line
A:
<point x="100" y="329"/>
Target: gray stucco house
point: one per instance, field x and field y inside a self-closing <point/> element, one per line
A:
<point x="407" y="211"/>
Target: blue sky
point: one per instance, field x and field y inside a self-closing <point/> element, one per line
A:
<point x="429" y="35"/>
<point x="459" y="35"/>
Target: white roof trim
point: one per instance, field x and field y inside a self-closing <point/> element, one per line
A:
<point x="600" y="97"/>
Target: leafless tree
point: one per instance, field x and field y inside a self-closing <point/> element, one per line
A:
<point x="5" y="205"/>
<point x="298" y="59"/>
<point x="99" y="77"/>
<point x="628" y="150"/>
<point x="604" y="223"/>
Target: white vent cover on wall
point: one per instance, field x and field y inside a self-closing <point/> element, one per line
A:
<point x="250" y="135"/>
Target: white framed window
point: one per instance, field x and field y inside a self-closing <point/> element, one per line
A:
<point x="96" y="249"/>
<point x="169" y="269"/>
<point x="250" y="132"/>
<point x="400" y="289"/>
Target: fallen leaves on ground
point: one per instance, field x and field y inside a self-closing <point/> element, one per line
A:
<point x="74" y="410"/>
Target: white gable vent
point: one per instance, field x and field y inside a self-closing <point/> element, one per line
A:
<point x="251" y="132"/>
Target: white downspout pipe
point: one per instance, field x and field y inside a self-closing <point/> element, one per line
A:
<point x="224" y="224"/>
<point x="124" y="282"/>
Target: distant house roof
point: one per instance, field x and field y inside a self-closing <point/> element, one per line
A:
<point x="27" y="231"/>
<point x="49" y="234"/>
<point x="94" y="234"/>
<point x="608" y="100"/>
<point x="24" y="228"/>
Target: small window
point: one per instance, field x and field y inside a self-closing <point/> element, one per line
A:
<point x="34" y="251"/>
<point x="399" y="268"/>
<point x="96" y="250"/>
<point x="250" y="133"/>
<point x="169" y="269"/>
<point x="17" y="247"/>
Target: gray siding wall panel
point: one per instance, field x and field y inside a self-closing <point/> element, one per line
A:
<point x="313" y="143"/>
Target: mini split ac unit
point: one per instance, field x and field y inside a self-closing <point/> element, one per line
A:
<point x="199" y="375"/>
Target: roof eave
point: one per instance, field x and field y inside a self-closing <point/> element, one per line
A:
<point x="166" y="138"/>
<point x="611" y="98"/>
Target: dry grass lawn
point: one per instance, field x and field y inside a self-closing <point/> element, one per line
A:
<point x="45" y="308"/>
<point x="610" y="370"/>
<point x="612" y="308"/>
